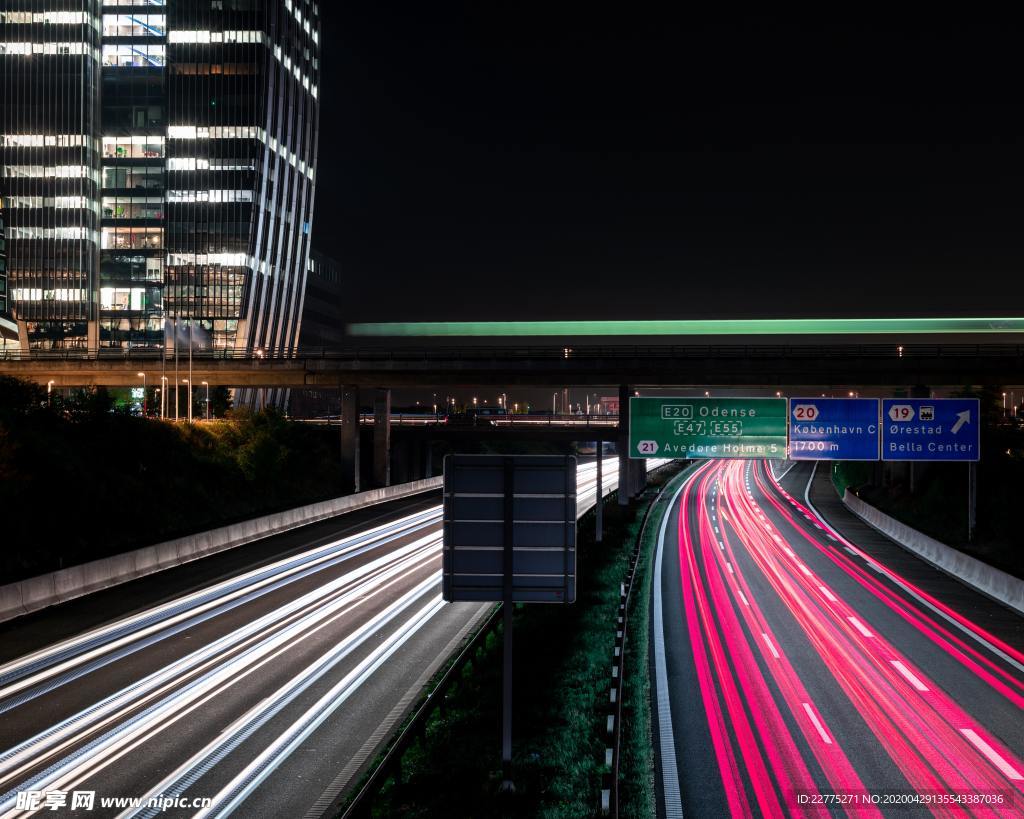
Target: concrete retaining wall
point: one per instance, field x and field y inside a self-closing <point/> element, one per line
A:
<point x="998" y="585"/>
<point x="75" y="581"/>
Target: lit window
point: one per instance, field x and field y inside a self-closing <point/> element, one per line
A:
<point x="134" y="55"/>
<point x="134" y="25"/>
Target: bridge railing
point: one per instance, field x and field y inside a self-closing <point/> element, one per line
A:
<point x="537" y="352"/>
<point x="514" y="420"/>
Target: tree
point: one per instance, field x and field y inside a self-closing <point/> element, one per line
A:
<point x="220" y="401"/>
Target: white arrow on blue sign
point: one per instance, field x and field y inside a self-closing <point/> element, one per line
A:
<point x="931" y="429"/>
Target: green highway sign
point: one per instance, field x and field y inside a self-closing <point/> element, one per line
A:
<point x="707" y="427"/>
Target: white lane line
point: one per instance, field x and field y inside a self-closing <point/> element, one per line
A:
<point x="817" y="723"/>
<point x="831" y="597"/>
<point x="743" y="597"/>
<point x="728" y="565"/>
<point x="911" y="593"/>
<point x="857" y="624"/>
<point x="805" y="570"/>
<point x="771" y="648"/>
<point x="256" y="772"/>
<point x="355" y="587"/>
<point x="789" y="551"/>
<point x="991" y="754"/>
<point x="908" y="675"/>
<point x="666" y="735"/>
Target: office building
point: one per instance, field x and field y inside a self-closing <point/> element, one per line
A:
<point x="158" y="161"/>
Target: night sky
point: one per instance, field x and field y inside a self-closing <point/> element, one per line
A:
<point x="511" y="162"/>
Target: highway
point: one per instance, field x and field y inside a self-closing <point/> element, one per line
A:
<point x="800" y="672"/>
<point x="264" y="691"/>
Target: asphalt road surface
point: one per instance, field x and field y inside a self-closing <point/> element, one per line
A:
<point x="808" y="666"/>
<point x="260" y="686"/>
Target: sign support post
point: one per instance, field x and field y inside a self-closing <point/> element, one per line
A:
<point x="972" y="499"/>
<point x="599" y="498"/>
<point x="507" y="786"/>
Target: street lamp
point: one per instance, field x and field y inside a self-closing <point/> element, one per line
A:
<point x="163" y="397"/>
<point x="1004" y="405"/>
<point x="188" y="394"/>
<point x="207" y="385"/>
<point x="144" y="404"/>
<point x="49" y="387"/>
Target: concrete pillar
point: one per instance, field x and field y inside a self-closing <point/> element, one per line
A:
<point x="350" y="438"/>
<point x="622" y="444"/>
<point x="382" y="438"/>
<point x="639" y="477"/>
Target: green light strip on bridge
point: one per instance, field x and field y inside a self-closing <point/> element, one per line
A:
<point x="717" y="327"/>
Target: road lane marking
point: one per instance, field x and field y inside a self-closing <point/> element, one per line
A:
<point x="828" y="594"/>
<point x="771" y="648"/>
<point x="743" y="597"/>
<point x="804" y="569"/>
<point x="817" y="724"/>
<point x="857" y="624"/>
<point x="911" y="593"/>
<point x="908" y="675"/>
<point x="666" y="738"/>
<point x="993" y="756"/>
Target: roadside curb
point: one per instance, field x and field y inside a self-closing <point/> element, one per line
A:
<point x="609" y="802"/>
<point x="34" y="593"/>
<point x="992" y="582"/>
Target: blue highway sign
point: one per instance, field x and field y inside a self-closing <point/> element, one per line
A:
<point x="840" y="429"/>
<point x="931" y="429"/>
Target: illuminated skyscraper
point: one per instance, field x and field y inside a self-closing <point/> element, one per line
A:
<point x="158" y="161"/>
<point x="8" y="329"/>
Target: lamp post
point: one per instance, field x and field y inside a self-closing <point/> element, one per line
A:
<point x="188" y="396"/>
<point x="49" y="388"/>
<point x="145" y="406"/>
<point x="163" y="397"/>
<point x="207" y="385"/>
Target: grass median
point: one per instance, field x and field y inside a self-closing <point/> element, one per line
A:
<point x="563" y="660"/>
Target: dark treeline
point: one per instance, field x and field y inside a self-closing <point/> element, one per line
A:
<point x="81" y="479"/>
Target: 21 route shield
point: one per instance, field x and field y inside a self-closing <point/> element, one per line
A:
<point x="839" y="429"/>
<point x="707" y="427"/>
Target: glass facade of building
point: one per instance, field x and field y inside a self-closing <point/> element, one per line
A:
<point x="8" y="329"/>
<point x="184" y="198"/>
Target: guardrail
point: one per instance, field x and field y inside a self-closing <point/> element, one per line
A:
<point x="566" y="419"/>
<point x="610" y="786"/>
<point x="33" y="593"/>
<point x="478" y="353"/>
<point x="988" y="580"/>
<point x="416" y="729"/>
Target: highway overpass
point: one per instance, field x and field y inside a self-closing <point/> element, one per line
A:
<point x="766" y="364"/>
